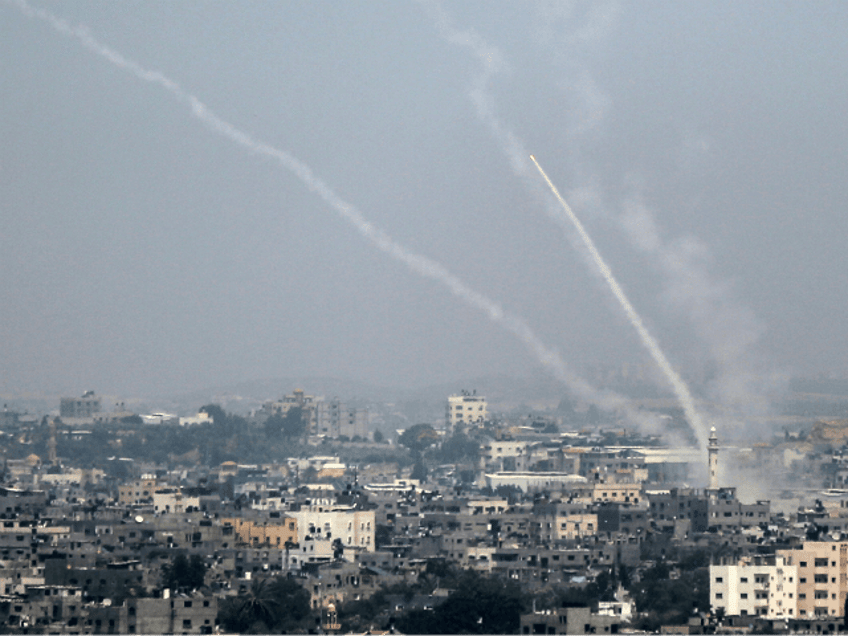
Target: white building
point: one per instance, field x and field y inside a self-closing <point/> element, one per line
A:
<point x="355" y="528"/>
<point x="157" y="419"/>
<point x="466" y="408"/>
<point x="765" y="586"/>
<point x="171" y="500"/>
<point x="505" y="455"/>
<point x="534" y="481"/>
<point x="202" y="417"/>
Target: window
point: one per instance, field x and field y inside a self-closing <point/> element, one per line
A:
<point x="719" y="579"/>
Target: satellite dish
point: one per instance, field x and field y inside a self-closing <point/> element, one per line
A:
<point x="139" y="519"/>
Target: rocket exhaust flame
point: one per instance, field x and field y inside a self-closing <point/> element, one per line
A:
<point x="681" y="391"/>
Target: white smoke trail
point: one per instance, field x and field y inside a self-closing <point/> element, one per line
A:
<point x="729" y="330"/>
<point x="742" y="385"/>
<point x="419" y="264"/>
<point x="680" y="389"/>
<point x="492" y="63"/>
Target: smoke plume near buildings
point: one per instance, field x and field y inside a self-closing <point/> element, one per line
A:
<point x="681" y="390"/>
<point x="718" y="319"/>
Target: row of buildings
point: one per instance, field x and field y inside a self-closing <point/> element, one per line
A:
<point x="84" y="552"/>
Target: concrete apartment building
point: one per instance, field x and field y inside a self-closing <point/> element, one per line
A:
<point x="355" y="528"/>
<point x="766" y="587"/>
<point x="726" y="512"/>
<point x="137" y="491"/>
<point x="569" y="620"/>
<point x="307" y="404"/>
<point x="86" y="406"/>
<point x="256" y="533"/>
<point x="617" y="492"/>
<point x="535" y="481"/>
<point x="500" y="456"/>
<point x="609" y="461"/>
<point x="822" y="577"/>
<point x="325" y="417"/>
<point x="466" y="408"/>
<point x="804" y="583"/>
<point x="336" y="419"/>
<point x="172" y="500"/>
<point x="672" y="504"/>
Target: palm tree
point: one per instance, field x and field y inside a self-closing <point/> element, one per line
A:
<point x="268" y="603"/>
<point x="255" y="609"/>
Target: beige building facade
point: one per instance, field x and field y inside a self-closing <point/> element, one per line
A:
<point x="822" y="577"/>
<point x="262" y="533"/>
<point x="466" y="408"/>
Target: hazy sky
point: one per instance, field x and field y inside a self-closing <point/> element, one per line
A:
<point x="703" y="146"/>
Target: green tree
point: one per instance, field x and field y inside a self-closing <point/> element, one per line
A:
<point x="419" y="471"/>
<point x="601" y="589"/>
<point x="459" y="448"/>
<point x="419" y="437"/>
<point x="273" y="426"/>
<point x="291" y="424"/>
<point x="278" y="604"/>
<point x="480" y="605"/>
<point x="357" y="616"/>
<point x="670" y="602"/>
<point x="217" y="414"/>
<point x="184" y="573"/>
<point x="624" y="575"/>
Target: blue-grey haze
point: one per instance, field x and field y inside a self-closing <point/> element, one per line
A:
<point x="703" y="146"/>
